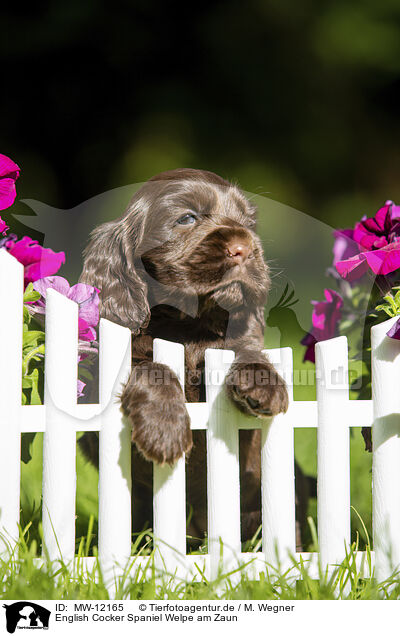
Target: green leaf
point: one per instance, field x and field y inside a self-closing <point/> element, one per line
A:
<point x="26" y="443"/>
<point x="32" y="338"/>
<point x="31" y="381"/>
<point x="34" y="354"/>
<point x="30" y="295"/>
<point x="85" y="373"/>
<point x="27" y="316"/>
<point x="388" y="310"/>
<point x="35" y="397"/>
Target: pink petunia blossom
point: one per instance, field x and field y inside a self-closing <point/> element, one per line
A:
<point x="378" y="241"/>
<point x="394" y="332"/>
<point x="86" y="296"/>
<point x="352" y="268"/>
<point x="325" y="319"/>
<point x="3" y="227"/>
<point x="381" y="262"/>
<point x="38" y="261"/>
<point x="344" y="245"/>
<point x="9" y="173"/>
<point x="309" y="341"/>
<point x="80" y="386"/>
<point x="380" y="230"/>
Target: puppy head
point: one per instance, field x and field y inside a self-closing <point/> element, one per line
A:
<point x="186" y="233"/>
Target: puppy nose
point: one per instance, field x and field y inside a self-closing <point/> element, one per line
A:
<point x="238" y="251"/>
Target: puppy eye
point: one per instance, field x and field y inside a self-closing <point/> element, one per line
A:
<point x="187" y="219"/>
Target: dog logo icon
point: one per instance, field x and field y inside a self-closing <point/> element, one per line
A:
<point x="26" y="615"/>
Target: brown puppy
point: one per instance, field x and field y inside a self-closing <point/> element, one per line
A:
<point x="184" y="263"/>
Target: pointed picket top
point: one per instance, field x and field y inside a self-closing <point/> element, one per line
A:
<point x="332" y="380"/>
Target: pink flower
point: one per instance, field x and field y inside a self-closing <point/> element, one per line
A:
<point x="325" y="319"/>
<point x="9" y="173"/>
<point x="378" y="241"/>
<point x="394" y="332"/>
<point x="80" y="386"/>
<point x="381" y="262"/>
<point x="379" y="230"/>
<point x="309" y="341"/>
<point x="3" y="227"/>
<point x="344" y="246"/>
<point x="86" y="296"/>
<point x="38" y="261"/>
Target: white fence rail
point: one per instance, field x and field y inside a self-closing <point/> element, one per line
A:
<point x="60" y="418"/>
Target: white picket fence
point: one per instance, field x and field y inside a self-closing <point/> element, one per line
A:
<point x="60" y="418"/>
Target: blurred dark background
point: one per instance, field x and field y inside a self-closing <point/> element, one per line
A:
<point x="295" y="100"/>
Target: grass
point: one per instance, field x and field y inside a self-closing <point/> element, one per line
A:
<point x="26" y="576"/>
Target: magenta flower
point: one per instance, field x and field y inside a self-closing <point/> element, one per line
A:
<point x="3" y="227"/>
<point x="38" y="261"/>
<point x="381" y="262"/>
<point x="325" y="319"/>
<point x="378" y="241"/>
<point x="86" y="296"/>
<point x="79" y="390"/>
<point x="376" y="232"/>
<point x="344" y="246"/>
<point x="9" y="173"/>
<point x="394" y="332"/>
<point x="309" y="341"/>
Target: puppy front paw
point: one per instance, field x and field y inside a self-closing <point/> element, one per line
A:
<point x="157" y="411"/>
<point x="162" y="436"/>
<point x="257" y="389"/>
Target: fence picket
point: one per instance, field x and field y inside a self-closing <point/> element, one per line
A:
<point x="114" y="452"/>
<point x="223" y="492"/>
<point x="386" y="449"/>
<point x="11" y="290"/>
<point x="277" y="473"/>
<point x="333" y="450"/>
<point x="59" y="442"/>
<point x="169" y="504"/>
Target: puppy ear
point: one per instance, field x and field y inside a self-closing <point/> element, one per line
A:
<point x="109" y="265"/>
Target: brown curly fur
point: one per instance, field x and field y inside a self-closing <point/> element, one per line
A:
<point x="203" y="284"/>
